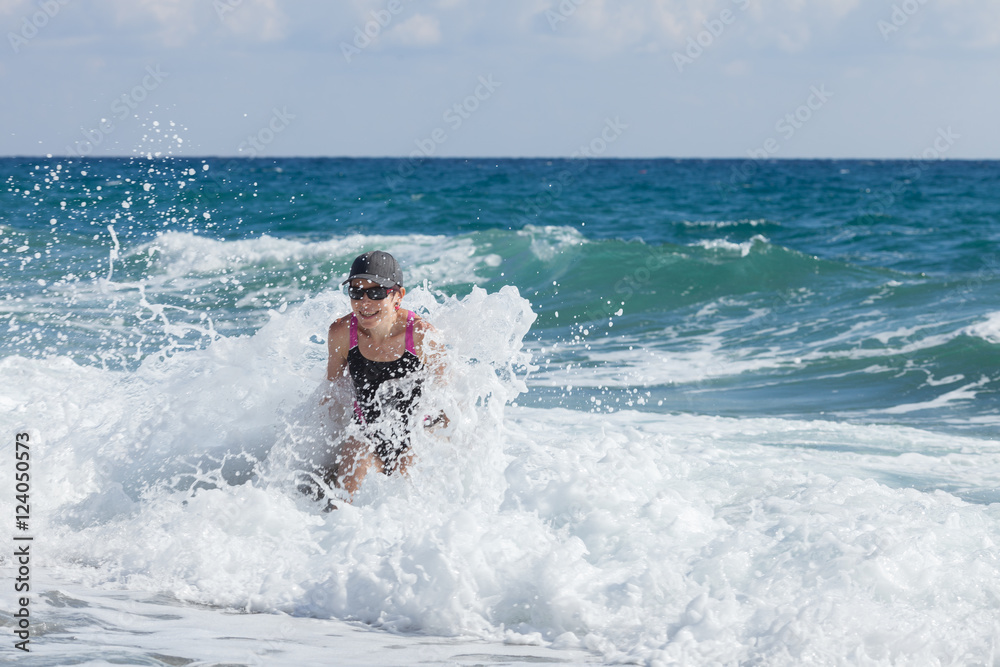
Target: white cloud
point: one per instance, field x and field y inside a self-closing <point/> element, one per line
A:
<point x="173" y="23"/>
<point x="418" y="30"/>
<point x="601" y="27"/>
<point x="15" y="7"/>
<point x="665" y="25"/>
<point x="969" y="24"/>
<point x="181" y="23"/>
<point x="737" y="68"/>
<point x="259" y="20"/>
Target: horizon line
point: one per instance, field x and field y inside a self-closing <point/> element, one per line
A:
<point x="239" y="158"/>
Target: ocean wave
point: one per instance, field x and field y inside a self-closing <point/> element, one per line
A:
<point x="646" y="538"/>
<point x="436" y="259"/>
<point x="987" y="330"/>
<point x="729" y="224"/>
<point x="743" y="248"/>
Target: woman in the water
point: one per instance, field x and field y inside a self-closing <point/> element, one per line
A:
<point x="387" y="353"/>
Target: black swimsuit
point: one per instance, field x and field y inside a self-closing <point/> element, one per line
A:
<point x="385" y="400"/>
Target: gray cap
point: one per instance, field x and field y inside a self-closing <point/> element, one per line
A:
<point x="377" y="266"/>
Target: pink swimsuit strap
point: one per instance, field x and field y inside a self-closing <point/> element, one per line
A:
<point x="410" y="321"/>
<point x="354" y="331"/>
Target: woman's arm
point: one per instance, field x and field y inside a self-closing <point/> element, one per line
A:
<point x="431" y="351"/>
<point x="337" y="343"/>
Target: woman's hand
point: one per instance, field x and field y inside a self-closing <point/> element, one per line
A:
<point x="433" y="423"/>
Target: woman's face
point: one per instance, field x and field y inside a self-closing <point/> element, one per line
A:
<point x="372" y="312"/>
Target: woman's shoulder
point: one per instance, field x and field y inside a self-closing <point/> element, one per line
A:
<point x="426" y="339"/>
<point x="339" y="334"/>
<point x="342" y="322"/>
<point x="421" y="327"/>
<point x="420" y="324"/>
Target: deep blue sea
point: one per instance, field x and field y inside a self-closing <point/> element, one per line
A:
<point x="707" y="411"/>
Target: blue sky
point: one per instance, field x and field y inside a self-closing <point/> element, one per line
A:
<point x="504" y="78"/>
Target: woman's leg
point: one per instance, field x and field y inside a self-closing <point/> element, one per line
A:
<point x="404" y="461"/>
<point x="353" y="463"/>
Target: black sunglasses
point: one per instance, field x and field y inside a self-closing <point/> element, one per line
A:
<point x="374" y="293"/>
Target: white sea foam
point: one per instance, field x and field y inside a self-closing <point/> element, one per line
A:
<point x="647" y="538"/>
<point x="964" y="393"/>
<point x="191" y="279"/>
<point x="743" y="248"/>
<point x="88" y="626"/>
<point x="549" y="240"/>
<point x="730" y="345"/>
<point x="182" y="254"/>
<point x="722" y="224"/>
<point x="631" y="361"/>
<point x="988" y="330"/>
